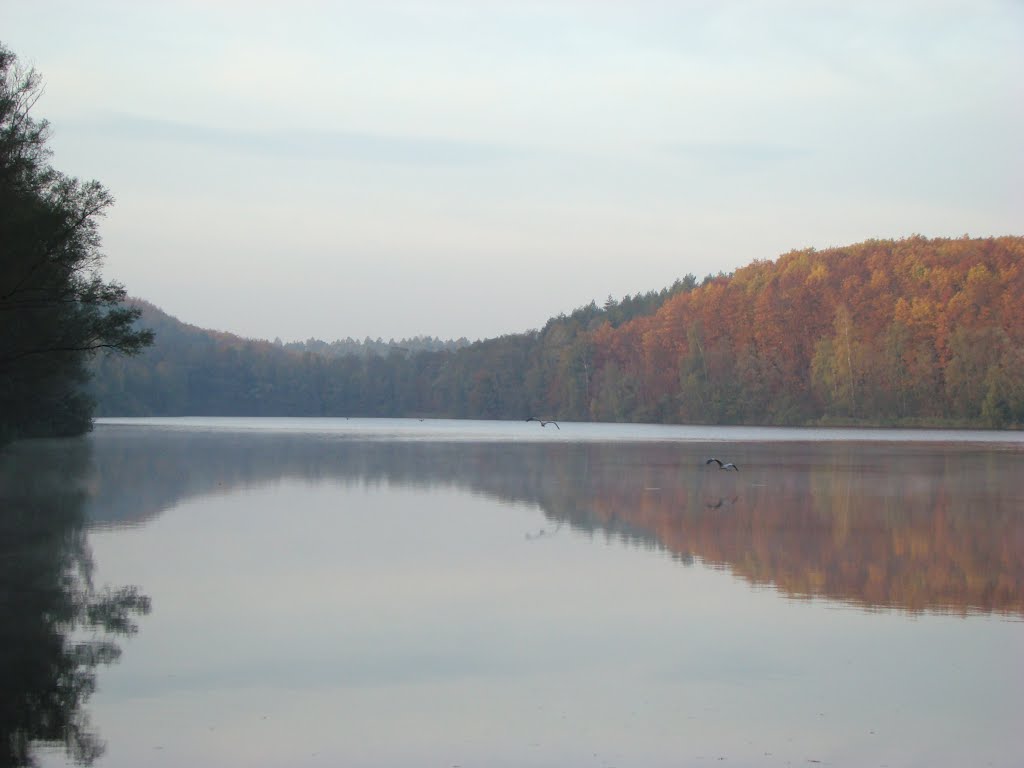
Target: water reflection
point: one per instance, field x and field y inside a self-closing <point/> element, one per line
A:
<point x="56" y="627"/>
<point x="937" y="526"/>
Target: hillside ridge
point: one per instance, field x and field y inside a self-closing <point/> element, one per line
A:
<point x="910" y="331"/>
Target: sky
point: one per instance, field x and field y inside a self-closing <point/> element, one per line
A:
<point x="471" y="169"/>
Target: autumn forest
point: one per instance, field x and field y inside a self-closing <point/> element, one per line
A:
<point x="890" y="332"/>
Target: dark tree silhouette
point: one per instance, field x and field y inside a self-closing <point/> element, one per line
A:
<point x="55" y="308"/>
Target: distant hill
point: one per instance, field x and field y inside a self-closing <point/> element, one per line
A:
<point x="195" y="371"/>
<point x="885" y="331"/>
<point x="915" y="331"/>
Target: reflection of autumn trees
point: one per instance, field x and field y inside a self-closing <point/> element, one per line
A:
<point x="56" y="628"/>
<point x="912" y="526"/>
<point x="850" y="533"/>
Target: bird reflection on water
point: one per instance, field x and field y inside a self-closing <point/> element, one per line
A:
<point x="544" y="532"/>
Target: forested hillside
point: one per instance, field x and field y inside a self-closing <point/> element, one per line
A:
<point x="192" y="371"/>
<point x="883" y="331"/>
<point x="913" y="331"/>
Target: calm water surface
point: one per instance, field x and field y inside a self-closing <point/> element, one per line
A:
<point x="268" y="592"/>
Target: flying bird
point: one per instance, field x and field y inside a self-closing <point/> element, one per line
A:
<point x="727" y="467"/>
<point x="545" y="423"/>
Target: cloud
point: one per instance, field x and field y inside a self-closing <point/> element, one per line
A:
<point x="395" y="149"/>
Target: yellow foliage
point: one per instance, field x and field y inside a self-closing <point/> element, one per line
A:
<point x="818" y="274"/>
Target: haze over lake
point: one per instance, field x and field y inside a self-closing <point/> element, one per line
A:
<point x="402" y="592"/>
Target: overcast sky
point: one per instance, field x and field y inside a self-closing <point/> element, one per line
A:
<point x="393" y="169"/>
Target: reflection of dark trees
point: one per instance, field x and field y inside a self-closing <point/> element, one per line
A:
<point x="913" y="526"/>
<point x="55" y="627"/>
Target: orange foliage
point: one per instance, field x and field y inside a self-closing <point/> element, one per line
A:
<point x="764" y="324"/>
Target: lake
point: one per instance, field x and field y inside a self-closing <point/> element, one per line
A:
<point x="398" y="592"/>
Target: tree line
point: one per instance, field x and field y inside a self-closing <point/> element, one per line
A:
<point x="192" y="371"/>
<point x="915" y="331"/>
<point x="368" y="346"/>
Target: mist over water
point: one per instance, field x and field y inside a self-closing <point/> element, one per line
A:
<point x="487" y="593"/>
